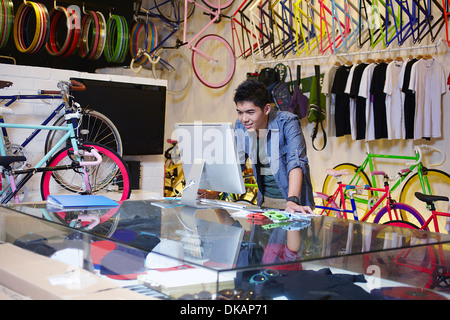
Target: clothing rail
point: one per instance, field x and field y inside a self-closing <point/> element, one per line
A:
<point x="346" y="54"/>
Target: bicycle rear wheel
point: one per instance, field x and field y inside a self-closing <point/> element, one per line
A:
<point x="397" y="209"/>
<point x="110" y="178"/>
<point x="354" y="178"/>
<point x="213" y="61"/>
<point x="438" y="181"/>
<point x="94" y="127"/>
<point x="173" y="10"/>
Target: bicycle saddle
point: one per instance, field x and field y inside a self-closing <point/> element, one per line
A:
<point x="4" y="84"/>
<point x="429" y="198"/>
<point x="336" y="173"/>
<point x="5" y="161"/>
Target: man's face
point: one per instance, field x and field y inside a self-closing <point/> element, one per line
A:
<point x="251" y="116"/>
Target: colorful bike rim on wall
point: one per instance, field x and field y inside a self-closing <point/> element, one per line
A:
<point x="116" y="39"/>
<point x="6" y="24"/>
<point x="93" y="35"/>
<point x="41" y="29"/>
<point x="72" y="37"/>
<point x="143" y="36"/>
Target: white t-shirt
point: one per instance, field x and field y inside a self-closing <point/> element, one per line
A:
<point x="352" y="103"/>
<point x="428" y="82"/>
<point x="326" y="90"/>
<point x="364" y="91"/>
<point x="394" y="101"/>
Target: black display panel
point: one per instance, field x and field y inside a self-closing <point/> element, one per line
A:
<point x="137" y="110"/>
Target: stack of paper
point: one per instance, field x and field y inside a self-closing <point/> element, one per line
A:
<point x="188" y="281"/>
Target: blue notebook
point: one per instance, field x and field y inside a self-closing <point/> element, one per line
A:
<point x="80" y="202"/>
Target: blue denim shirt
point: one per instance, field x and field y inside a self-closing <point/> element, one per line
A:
<point x="286" y="150"/>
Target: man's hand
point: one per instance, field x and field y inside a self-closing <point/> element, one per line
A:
<point x="292" y="207"/>
<point x="207" y="194"/>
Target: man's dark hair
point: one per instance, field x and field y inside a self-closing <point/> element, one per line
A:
<point x="252" y="91"/>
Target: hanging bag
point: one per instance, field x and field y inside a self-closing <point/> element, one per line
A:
<point x="316" y="110"/>
<point x="299" y="102"/>
<point x="281" y="92"/>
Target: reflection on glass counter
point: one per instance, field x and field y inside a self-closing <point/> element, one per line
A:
<point x="232" y="255"/>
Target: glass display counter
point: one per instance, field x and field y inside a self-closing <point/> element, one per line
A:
<point x="189" y="253"/>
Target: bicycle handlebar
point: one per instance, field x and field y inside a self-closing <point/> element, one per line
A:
<point x="93" y="152"/>
<point x="76" y="86"/>
<point x="418" y="149"/>
<point x="72" y="84"/>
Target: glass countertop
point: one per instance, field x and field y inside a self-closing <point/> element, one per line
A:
<point x="214" y="238"/>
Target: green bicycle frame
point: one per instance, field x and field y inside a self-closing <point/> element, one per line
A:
<point x="369" y="161"/>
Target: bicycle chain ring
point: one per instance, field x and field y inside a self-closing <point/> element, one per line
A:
<point x="441" y="277"/>
<point x="17" y="150"/>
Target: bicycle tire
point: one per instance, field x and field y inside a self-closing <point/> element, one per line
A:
<point x="213" y="4"/>
<point x="111" y="177"/>
<point x="439" y="182"/>
<point x="175" y="68"/>
<point x="415" y="218"/>
<point x="218" y="73"/>
<point x="173" y="10"/>
<point x="355" y="178"/>
<point x="95" y="127"/>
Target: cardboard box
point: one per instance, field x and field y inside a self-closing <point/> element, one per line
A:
<point x="41" y="278"/>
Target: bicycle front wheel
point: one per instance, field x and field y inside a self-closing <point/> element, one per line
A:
<point x="94" y="127"/>
<point x="357" y="178"/>
<point x="222" y="4"/>
<point x="110" y="178"/>
<point x="213" y="61"/>
<point x="438" y="181"/>
<point x="175" y="68"/>
<point x="397" y="209"/>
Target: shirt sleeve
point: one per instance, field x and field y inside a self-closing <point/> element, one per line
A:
<point x="296" y="146"/>
<point x="388" y="83"/>
<point x="413" y="80"/>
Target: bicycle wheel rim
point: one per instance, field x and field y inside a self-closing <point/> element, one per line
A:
<point x="7" y="13"/>
<point x="439" y="182"/>
<point x="176" y="69"/>
<point x="213" y="74"/>
<point x="173" y="11"/>
<point x="110" y="178"/>
<point x="95" y="127"/>
<point x="397" y="210"/>
<point x="214" y="4"/>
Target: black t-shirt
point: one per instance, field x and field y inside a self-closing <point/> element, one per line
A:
<point x="342" y="101"/>
<point x="379" y="100"/>
<point x="410" y="101"/>
<point x="360" y="112"/>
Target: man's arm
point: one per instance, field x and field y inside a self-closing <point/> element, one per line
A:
<point x="295" y="185"/>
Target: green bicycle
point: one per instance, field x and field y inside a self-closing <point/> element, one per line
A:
<point x="418" y="179"/>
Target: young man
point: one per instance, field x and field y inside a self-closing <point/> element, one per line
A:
<point x="274" y="142"/>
